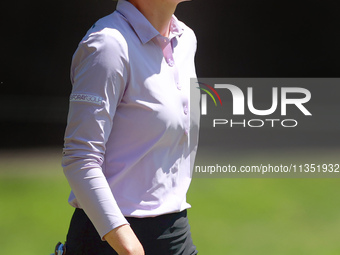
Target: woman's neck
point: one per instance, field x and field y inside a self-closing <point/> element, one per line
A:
<point x="158" y="12"/>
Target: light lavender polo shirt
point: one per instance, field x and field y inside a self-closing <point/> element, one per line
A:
<point x="127" y="147"/>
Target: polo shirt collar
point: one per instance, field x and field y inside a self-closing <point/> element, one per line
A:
<point x="142" y="27"/>
<point x="175" y="27"/>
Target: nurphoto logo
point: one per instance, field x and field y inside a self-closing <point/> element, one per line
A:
<point x="244" y="101"/>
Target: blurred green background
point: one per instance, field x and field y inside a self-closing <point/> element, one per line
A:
<point x="229" y="215"/>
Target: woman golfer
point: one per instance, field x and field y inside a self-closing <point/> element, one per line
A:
<point x="130" y="140"/>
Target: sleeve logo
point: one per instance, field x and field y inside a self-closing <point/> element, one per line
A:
<point x="86" y="98"/>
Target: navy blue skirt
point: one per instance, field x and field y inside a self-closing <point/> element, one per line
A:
<point x="167" y="234"/>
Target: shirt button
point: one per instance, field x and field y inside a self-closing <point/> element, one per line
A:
<point x="185" y="110"/>
<point x="171" y="63"/>
<point x="186" y="132"/>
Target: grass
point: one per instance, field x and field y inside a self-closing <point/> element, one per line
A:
<point x="34" y="213"/>
<point x="229" y="216"/>
<point x="265" y="216"/>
